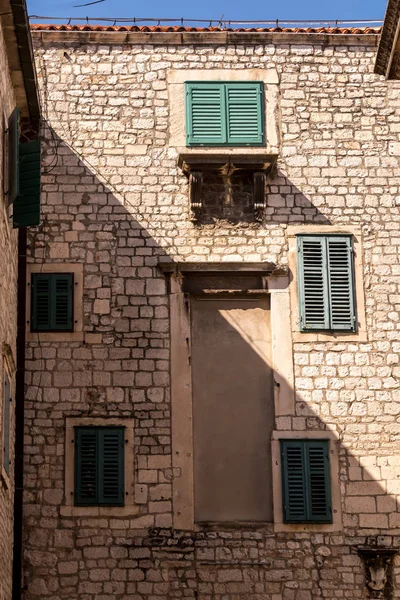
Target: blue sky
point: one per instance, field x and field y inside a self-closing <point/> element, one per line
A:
<point x="206" y="9"/>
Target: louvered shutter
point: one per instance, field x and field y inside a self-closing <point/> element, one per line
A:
<point x="61" y="301"/>
<point x="319" y="488"/>
<point x="86" y="471"/>
<point x="244" y="102"/>
<point x="341" y="285"/>
<point x="6" y="424"/>
<point x="294" y="481"/>
<point x="111" y="467"/>
<point x="52" y="301"/>
<point x="40" y="318"/>
<point x="306" y="487"/>
<point x="313" y="283"/>
<point x="26" y="209"/>
<point x="13" y="155"/>
<point x="205" y="114"/>
<point x="326" y="283"/>
<point x="99" y="466"/>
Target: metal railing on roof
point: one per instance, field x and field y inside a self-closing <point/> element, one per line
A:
<point x="222" y="23"/>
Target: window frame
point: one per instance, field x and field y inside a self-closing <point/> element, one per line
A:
<point x="52" y="295"/>
<point x="224" y="87"/>
<point x="334" y="444"/>
<point x="99" y="431"/>
<point x="306" y="445"/>
<point x="132" y="490"/>
<point x="324" y="239"/>
<point x="7" y="369"/>
<point x="361" y="333"/>
<point x="77" y="334"/>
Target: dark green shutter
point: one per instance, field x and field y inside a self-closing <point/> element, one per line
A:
<point x="244" y="103"/>
<point x="52" y="302"/>
<point x="6" y="424"/>
<point x="205" y="114"/>
<point x="13" y="155"/>
<point x="306" y="487"/>
<point x="326" y="283"/>
<point x="26" y="209"/>
<point x="86" y="470"/>
<point x="99" y="466"/>
<point x="294" y="481"/>
<point x="111" y="466"/>
<point x="61" y="301"/>
<point x="319" y="492"/>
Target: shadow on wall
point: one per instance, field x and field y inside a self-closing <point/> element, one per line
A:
<point x="231" y="199"/>
<point x="120" y="237"/>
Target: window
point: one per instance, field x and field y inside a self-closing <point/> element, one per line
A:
<point x="6" y="424"/>
<point x="306" y="490"/>
<point x="99" y="466"/>
<point x="326" y="283"/>
<point x="52" y="301"/>
<point x="224" y="114"/>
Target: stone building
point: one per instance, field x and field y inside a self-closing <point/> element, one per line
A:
<point x="19" y="118"/>
<point x="212" y="318"/>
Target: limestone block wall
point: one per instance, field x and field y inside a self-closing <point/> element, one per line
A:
<point x="115" y="201"/>
<point x="8" y="328"/>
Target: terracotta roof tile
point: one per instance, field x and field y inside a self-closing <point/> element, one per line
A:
<point x="183" y="29"/>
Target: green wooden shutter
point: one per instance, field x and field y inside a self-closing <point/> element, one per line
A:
<point x="86" y="470"/>
<point x="326" y="283"/>
<point x="52" y="301"/>
<point x="294" y="481"/>
<point x="6" y="425"/>
<point x="41" y="298"/>
<point x="13" y="155"/>
<point x="26" y="209"/>
<point x="341" y="283"/>
<point x="245" y="123"/>
<point x="205" y="114"/>
<point x="99" y="466"/>
<point x="313" y="283"/>
<point x="62" y="301"/>
<point x="319" y="485"/>
<point x="111" y="467"/>
<point x="306" y="490"/>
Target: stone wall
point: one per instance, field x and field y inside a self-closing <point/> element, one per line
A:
<point x="115" y="200"/>
<point x="8" y="329"/>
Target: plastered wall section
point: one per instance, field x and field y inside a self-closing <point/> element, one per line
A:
<point x="8" y="330"/>
<point x="115" y="201"/>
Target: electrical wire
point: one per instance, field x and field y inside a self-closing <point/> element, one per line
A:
<point x="223" y="22"/>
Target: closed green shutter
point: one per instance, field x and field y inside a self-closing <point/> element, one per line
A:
<point x="111" y="467"/>
<point x="6" y="424"/>
<point x="205" y="114"/>
<point x="99" y="466"/>
<point x="224" y="114"/>
<point x="26" y="209"/>
<point x="86" y="476"/>
<point x="326" y="283"/>
<point x="341" y="284"/>
<point x="244" y="103"/>
<point x="306" y="489"/>
<point x="52" y="302"/>
<point x="13" y="155"/>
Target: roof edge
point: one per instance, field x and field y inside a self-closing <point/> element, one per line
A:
<point x="388" y="38"/>
<point x="86" y="34"/>
<point x="26" y="58"/>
